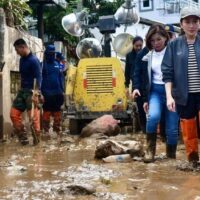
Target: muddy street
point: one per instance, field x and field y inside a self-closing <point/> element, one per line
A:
<point x="49" y="170"/>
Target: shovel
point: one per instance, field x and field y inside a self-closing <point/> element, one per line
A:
<point x="34" y="135"/>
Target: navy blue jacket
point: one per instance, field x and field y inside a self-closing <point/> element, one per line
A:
<point x="30" y="68"/>
<point x="129" y="67"/>
<point x="175" y="67"/>
<point x="52" y="79"/>
<point x="140" y="75"/>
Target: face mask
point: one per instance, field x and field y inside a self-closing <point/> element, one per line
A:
<point x="50" y="57"/>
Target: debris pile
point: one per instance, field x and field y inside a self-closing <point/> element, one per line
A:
<point x="110" y="148"/>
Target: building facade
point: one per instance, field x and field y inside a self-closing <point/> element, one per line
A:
<point x="165" y="11"/>
<point x="10" y="79"/>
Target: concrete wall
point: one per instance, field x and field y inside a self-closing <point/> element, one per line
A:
<point x="8" y="55"/>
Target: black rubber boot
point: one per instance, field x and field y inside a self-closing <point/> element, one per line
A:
<point x="194" y="158"/>
<point x="45" y="136"/>
<point x="171" y="151"/>
<point x="22" y="136"/>
<point x="151" y="148"/>
<point x="23" y="139"/>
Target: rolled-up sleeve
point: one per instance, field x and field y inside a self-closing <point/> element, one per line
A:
<point x="167" y="65"/>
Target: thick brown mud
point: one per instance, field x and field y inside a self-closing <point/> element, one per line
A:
<point x="46" y="170"/>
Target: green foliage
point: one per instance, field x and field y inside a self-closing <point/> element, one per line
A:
<point x="99" y="8"/>
<point x="15" y="11"/>
<point x="53" y="27"/>
<point x="103" y="7"/>
<point x="54" y="14"/>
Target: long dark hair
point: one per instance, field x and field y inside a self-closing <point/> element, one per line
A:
<point x="156" y="28"/>
<point x="137" y="38"/>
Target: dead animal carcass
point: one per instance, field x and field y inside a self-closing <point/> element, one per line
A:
<point x="106" y="125"/>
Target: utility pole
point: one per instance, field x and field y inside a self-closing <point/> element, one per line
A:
<point x="40" y="11"/>
<point x="40" y="21"/>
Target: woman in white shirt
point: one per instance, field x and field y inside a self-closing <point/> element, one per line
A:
<point x="155" y="97"/>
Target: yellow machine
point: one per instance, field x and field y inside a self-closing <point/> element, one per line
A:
<point x="94" y="88"/>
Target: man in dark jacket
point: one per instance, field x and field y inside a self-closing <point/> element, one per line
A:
<point x="129" y="71"/>
<point x="138" y="79"/>
<point x="52" y="90"/>
<point x="130" y="61"/>
<point x="30" y="69"/>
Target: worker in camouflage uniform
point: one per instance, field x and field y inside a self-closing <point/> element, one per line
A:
<point x="30" y="69"/>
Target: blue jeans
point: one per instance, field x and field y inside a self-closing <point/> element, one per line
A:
<point x="157" y="102"/>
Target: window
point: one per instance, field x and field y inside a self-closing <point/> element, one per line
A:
<point x="172" y="7"/>
<point x="15" y="82"/>
<point x="145" y="5"/>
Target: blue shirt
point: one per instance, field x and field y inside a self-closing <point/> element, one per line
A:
<point x="30" y="68"/>
<point x="52" y="79"/>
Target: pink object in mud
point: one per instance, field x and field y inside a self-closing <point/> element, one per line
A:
<point x="107" y="120"/>
<point x="106" y="125"/>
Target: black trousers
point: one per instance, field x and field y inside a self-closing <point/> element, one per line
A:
<point x="53" y="102"/>
<point x="191" y="109"/>
<point x="142" y="114"/>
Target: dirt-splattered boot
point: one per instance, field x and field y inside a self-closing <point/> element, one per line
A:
<point x="151" y="148"/>
<point x="59" y="137"/>
<point x="190" y="138"/>
<point x="45" y="136"/>
<point x="171" y="151"/>
<point x="193" y="158"/>
<point x="36" y="136"/>
<point x="23" y="139"/>
<point x="22" y="136"/>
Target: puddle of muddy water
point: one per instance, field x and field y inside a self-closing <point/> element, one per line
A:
<point x="40" y="172"/>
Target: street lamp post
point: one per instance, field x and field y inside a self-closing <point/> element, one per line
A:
<point x="40" y="10"/>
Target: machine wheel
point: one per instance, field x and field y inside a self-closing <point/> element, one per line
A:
<point x="74" y="127"/>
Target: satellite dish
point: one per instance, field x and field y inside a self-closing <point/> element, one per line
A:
<point x="122" y="44"/>
<point x="89" y="48"/>
<point x="73" y="23"/>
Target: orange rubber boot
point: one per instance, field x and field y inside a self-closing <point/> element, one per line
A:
<point x="57" y="122"/>
<point x="46" y="120"/>
<point x="16" y="118"/>
<point x="190" y="138"/>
